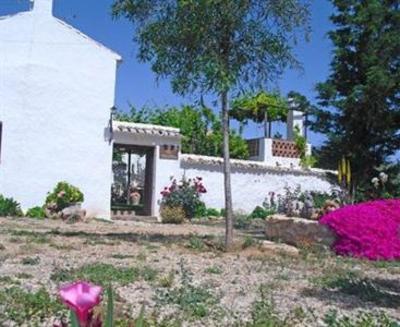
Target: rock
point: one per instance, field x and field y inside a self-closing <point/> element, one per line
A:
<point x="73" y="213"/>
<point x="279" y="248"/>
<point x="298" y="231"/>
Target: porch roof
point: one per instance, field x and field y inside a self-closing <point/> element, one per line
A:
<point x="146" y="129"/>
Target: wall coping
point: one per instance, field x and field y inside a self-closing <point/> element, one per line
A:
<point x="256" y="165"/>
<point x="146" y="129"/>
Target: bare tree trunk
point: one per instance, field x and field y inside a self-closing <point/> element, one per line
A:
<point x="227" y="173"/>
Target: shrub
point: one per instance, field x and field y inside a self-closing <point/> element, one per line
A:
<point x="211" y="212"/>
<point x="185" y="194"/>
<point x="36" y="212"/>
<point x="9" y="207"/>
<point x="367" y="230"/>
<point x="63" y="196"/>
<point x="172" y="215"/>
<point x="261" y="213"/>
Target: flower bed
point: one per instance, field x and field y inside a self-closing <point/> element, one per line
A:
<point x="368" y="230"/>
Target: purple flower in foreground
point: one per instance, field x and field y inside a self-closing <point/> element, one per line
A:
<point x="81" y="297"/>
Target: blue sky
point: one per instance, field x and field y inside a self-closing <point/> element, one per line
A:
<point x="136" y="84"/>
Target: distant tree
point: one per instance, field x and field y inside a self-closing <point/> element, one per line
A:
<point x="261" y="107"/>
<point x="216" y="46"/>
<point x="360" y="112"/>
<point x="200" y="127"/>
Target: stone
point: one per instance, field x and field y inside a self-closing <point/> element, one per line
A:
<point x="279" y="248"/>
<point x="73" y="213"/>
<point x="298" y="231"/>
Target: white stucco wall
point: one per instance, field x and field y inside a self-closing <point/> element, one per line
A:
<point x="250" y="186"/>
<point x="56" y="90"/>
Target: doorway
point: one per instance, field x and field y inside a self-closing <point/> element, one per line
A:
<point x="132" y="186"/>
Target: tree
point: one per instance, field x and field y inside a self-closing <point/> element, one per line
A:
<point x="261" y="107"/>
<point x="360" y="100"/>
<point x="215" y="46"/>
<point x="200" y="127"/>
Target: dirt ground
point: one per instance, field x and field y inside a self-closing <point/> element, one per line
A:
<point x="182" y="276"/>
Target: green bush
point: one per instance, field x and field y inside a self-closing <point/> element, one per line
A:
<point x="200" y="210"/>
<point x="172" y="215"/>
<point x="36" y="212"/>
<point x="63" y="196"/>
<point x="9" y="207"/>
<point x="211" y="212"/>
<point x="185" y="194"/>
<point x="261" y="213"/>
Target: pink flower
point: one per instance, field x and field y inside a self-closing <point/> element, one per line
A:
<point x="81" y="297"/>
<point x="367" y="230"/>
<point x="61" y="194"/>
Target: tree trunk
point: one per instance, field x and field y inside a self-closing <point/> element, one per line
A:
<point x="266" y="124"/>
<point x="227" y="173"/>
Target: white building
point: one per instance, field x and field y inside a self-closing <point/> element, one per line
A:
<point x="56" y="90"/>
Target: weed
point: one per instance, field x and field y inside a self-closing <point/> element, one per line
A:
<point x="214" y="270"/>
<point x="2" y="247"/>
<point x="362" y="319"/>
<point x="103" y="274"/>
<point x="193" y="300"/>
<point x="23" y="276"/>
<point x="30" y="261"/>
<point x="376" y="291"/>
<point x="148" y="274"/>
<point x="248" y="242"/>
<point x="98" y="273"/>
<point x="196" y="243"/>
<point x="168" y="280"/>
<point x="34" y="237"/>
<point x="21" y="306"/>
<point x="8" y="280"/>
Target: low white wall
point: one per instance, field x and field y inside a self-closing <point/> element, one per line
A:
<point x="251" y="181"/>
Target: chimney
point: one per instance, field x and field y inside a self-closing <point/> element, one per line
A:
<point x="43" y="7"/>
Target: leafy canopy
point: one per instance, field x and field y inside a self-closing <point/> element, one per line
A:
<point x="360" y="112"/>
<point x="259" y="106"/>
<point x="215" y="45"/>
<point x="201" y="129"/>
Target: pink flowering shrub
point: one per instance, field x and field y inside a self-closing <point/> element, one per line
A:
<point x="367" y="230"/>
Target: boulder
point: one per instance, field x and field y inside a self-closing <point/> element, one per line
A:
<point x="73" y="213"/>
<point x="298" y="231"/>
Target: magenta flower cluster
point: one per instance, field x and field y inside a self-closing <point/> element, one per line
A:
<point x="367" y="230"/>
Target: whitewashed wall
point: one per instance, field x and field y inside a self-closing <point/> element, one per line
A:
<point x="56" y="90"/>
<point x="251" y="184"/>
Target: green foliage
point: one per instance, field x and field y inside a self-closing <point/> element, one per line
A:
<point x="261" y="213"/>
<point x="21" y="306"/>
<point x="172" y="215"/>
<point x="259" y="107"/>
<point x="64" y="195"/>
<point x="103" y="274"/>
<point x="215" y="270"/>
<point x="264" y="313"/>
<point x="109" y="322"/>
<point x="195" y="243"/>
<point x="253" y="44"/>
<point x="195" y="301"/>
<point x="248" y="242"/>
<point x="36" y="212"/>
<point x="9" y="207"/>
<point x="185" y="194"/>
<point x="212" y="212"/>
<point x="200" y="127"/>
<point x="360" y="103"/>
<point x="362" y="319"/>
